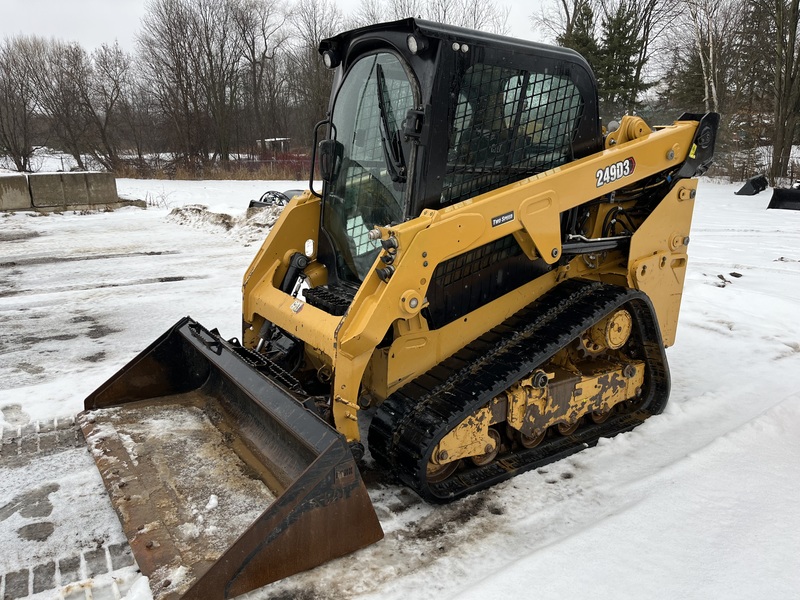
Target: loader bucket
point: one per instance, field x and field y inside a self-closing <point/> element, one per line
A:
<point x="787" y="199"/>
<point x="753" y="186"/>
<point x="223" y="480"/>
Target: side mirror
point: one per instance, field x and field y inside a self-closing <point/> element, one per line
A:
<point x="330" y="160"/>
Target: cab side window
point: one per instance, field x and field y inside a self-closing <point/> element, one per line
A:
<point x="508" y="124"/>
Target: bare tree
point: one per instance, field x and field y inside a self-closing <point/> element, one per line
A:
<point x="309" y="81"/>
<point x="368" y="12"/>
<point x="478" y="14"/>
<point x="260" y="26"/>
<point x="166" y="47"/>
<point x="654" y="21"/>
<point x="724" y="69"/>
<point x="703" y="15"/>
<point x="217" y="52"/>
<point x="17" y="103"/>
<point x="559" y="18"/>
<point x="405" y="8"/>
<point x="715" y="26"/>
<point x="60" y="72"/>
<point x="108" y="79"/>
<point x="786" y="100"/>
<point x="473" y="14"/>
<point x="140" y="118"/>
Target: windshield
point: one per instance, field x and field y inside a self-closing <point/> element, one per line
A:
<point x="369" y="183"/>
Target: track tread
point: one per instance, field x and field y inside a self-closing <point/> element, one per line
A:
<point x="409" y="424"/>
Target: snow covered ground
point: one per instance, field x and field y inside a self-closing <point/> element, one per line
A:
<point x="700" y="502"/>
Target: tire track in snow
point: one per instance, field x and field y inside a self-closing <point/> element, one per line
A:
<point x="429" y="547"/>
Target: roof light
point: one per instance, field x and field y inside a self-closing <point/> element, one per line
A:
<point x="331" y="59"/>
<point x="416" y="43"/>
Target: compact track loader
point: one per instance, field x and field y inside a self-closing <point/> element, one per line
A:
<point x="484" y="283"/>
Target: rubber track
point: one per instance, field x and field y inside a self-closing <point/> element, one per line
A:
<point x="409" y="424"/>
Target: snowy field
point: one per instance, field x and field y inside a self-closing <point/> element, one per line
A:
<point x="700" y="502"/>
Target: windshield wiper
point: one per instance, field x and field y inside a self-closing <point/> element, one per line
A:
<point x="390" y="137"/>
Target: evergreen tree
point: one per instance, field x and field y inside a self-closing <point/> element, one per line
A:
<point x="616" y="65"/>
<point x="581" y="38"/>
<point x="682" y="85"/>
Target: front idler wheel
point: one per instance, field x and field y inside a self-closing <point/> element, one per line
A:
<point x="438" y="473"/>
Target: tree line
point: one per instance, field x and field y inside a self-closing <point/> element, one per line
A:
<point x="661" y="58"/>
<point x="210" y="79"/>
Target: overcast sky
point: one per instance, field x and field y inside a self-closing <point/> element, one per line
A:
<point x="90" y="22"/>
<point x="93" y="22"/>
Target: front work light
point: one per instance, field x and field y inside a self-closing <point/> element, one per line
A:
<point x="331" y="59"/>
<point x="416" y="43"/>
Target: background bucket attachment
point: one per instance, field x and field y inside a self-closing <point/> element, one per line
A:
<point x="222" y="479"/>
<point x="753" y="186"/>
<point x="788" y="199"/>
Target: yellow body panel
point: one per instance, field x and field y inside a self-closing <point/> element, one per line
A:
<point x="656" y="265"/>
<point x="658" y="258"/>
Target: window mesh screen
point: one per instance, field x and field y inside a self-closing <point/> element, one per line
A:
<point x="508" y="125"/>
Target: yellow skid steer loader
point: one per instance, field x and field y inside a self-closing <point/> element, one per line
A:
<point x="485" y="283"/>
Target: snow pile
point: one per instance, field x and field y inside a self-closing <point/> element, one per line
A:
<point x="230" y="197"/>
<point x="251" y="227"/>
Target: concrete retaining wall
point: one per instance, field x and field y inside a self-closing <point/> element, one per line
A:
<point x="58" y="191"/>
<point x="74" y="187"/>
<point x="14" y="192"/>
<point x="47" y="191"/>
<point x="102" y="188"/>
